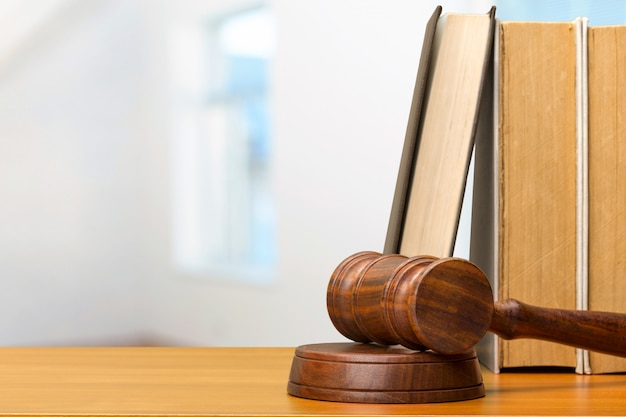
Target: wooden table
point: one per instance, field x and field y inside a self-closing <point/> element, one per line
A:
<point x="251" y="381"/>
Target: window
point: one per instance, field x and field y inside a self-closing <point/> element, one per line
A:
<point x="223" y="212"/>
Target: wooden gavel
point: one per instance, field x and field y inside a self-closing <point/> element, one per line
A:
<point x="447" y="305"/>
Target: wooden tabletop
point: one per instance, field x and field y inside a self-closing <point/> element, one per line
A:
<point x="251" y="382"/>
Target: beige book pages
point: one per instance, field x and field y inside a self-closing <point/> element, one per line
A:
<point x="461" y="50"/>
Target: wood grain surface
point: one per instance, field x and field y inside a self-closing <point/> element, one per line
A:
<point x="252" y="382"/>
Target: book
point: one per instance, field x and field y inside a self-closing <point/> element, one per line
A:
<point x="407" y="159"/>
<point x="440" y="134"/>
<point x="525" y="221"/>
<point x="606" y="287"/>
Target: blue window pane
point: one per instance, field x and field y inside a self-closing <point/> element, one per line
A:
<point x="246" y="75"/>
<point x="224" y="206"/>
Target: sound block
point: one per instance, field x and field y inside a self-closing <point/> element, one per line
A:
<point x="371" y="373"/>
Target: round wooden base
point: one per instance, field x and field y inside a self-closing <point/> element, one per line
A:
<point x="370" y="373"/>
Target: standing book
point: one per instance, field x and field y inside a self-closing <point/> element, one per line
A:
<point x="440" y="135"/>
<point x="525" y="222"/>
<point x="607" y="173"/>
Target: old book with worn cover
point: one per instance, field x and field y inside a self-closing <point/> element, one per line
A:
<point x="607" y="181"/>
<point x="525" y="222"/>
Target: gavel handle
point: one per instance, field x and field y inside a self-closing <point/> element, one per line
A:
<point x="591" y="330"/>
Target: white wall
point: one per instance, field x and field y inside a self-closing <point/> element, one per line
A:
<point x="71" y="177"/>
<point x="84" y="173"/>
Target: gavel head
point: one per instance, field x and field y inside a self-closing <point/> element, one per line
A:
<point x="422" y="302"/>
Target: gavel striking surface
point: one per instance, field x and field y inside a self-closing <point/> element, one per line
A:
<point x="371" y="373"/>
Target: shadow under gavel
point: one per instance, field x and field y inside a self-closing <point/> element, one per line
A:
<point x="446" y="305"/>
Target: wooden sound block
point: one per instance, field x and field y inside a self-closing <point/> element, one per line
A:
<point x="372" y="373"/>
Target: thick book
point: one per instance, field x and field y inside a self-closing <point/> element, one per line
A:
<point x="524" y="221"/>
<point x="440" y="134"/>
<point x="606" y="287"/>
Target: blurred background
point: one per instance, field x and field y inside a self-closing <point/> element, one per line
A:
<point x="191" y="172"/>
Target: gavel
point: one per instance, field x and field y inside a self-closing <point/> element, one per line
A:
<point x="446" y="305"/>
